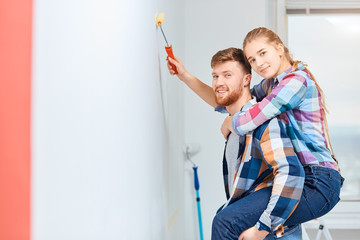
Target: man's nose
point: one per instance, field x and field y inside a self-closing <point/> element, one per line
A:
<point x="220" y="80"/>
<point x="219" y="83"/>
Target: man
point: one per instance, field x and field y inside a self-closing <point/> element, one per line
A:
<point x="263" y="177"/>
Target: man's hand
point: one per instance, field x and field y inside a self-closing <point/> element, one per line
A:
<point x="253" y="234"/>
<point x="179" y="67"/>
<point x="226" y="127"/>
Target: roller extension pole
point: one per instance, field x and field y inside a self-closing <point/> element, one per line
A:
<point x="188" y="150"/>
<point x="197" y="186"/>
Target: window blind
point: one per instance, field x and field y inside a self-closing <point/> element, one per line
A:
<point x="322" y="6"/>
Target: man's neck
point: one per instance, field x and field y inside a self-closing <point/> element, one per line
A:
<point x="236" y="107"/>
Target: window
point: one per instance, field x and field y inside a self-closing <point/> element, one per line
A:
<point x="329" y="44"/>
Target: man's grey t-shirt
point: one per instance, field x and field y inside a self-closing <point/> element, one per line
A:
<point x="231" y="155"/>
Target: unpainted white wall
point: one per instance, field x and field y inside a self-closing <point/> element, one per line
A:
<point x="106" y="165"/>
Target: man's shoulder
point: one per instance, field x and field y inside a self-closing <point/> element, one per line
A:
<point x="259" y="131"/>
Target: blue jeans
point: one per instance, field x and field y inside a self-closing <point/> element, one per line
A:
<point x="320" y="194"/>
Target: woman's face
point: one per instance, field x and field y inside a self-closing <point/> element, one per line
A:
<point x="265" y="58"/>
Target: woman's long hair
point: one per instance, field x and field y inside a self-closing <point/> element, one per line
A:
<point x="273" y="38"/>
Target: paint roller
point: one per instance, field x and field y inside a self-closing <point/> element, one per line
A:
<point x="168" y="48"/>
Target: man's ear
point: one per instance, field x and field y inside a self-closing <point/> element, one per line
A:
<point x="247" y="79"/>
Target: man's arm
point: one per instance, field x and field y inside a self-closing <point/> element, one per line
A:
<point x="201" y="89"/>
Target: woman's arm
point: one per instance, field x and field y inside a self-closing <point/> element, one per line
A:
<point x="201" y="89"/>
<point x="259" y="92"/>
<point x="286" y="96"/>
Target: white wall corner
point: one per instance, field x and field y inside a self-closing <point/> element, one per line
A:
<point x="277" y="18"/>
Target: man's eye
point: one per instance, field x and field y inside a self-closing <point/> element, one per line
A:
<point x="228" y="75"/>
<point x="215" y="77"/>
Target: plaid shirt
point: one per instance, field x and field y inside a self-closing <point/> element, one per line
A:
<point x="294" y="94"/>
<point x="267" y="159"/>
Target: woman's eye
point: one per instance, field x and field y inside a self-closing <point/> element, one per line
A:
<point x="252" y="60"/>
<point x="262" y="53"/>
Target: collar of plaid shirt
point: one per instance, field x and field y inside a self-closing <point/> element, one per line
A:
<point x="275" y="81"/>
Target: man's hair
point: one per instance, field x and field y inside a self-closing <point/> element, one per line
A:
<point x="231" y="54"/>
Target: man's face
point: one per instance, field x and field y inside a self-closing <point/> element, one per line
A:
<point x="228" y="82"/>
<point x="264" y="58"/>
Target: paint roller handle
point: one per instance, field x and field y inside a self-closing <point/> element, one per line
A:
<point x="196" y="179"/>
<point x="170" y="54"/>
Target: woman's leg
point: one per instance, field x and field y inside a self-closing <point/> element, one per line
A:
<point x="230" y="222"/>
<point x="320" y="194"/>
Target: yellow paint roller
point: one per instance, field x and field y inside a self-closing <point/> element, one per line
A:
<point x="159" y="22"/>
<point x="160" y="19"/>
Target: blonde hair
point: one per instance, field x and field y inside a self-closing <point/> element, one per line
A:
<point x="273" y="38"/>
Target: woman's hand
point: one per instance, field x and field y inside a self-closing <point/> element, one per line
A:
<point x="226" y="127"/>
<point x="253" y="234"/>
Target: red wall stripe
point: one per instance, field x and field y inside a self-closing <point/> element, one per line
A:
<point x="15" y="90"/>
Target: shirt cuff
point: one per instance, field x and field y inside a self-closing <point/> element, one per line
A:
<point x="261" y="226"/>
<point x="236" y="129"/>
<point x="279" y="230"/>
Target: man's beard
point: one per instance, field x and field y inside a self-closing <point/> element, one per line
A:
<point x="229" y="99"/>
